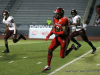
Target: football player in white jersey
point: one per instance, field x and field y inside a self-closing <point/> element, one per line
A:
<point x="79" y="30"/>
<point x="10" y="30"/>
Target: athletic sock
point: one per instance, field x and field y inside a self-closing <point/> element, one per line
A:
<point x="19" y="37"/>
<point x="68" y="51"/>
<point x="6" y="45"/>
<point x="75" y="41"/>
<point x="91" y="45"/>
<point x="49" y="57"/>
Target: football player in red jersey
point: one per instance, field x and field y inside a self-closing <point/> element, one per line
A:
<point x="61" y="30"/>
<point x="76" y="20"/>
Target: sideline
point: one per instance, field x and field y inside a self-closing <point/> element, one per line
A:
<point x="69" y="63"/>
<point x="26" y="43"/>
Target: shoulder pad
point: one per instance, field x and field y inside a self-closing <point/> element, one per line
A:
<point x="10" y="18"/>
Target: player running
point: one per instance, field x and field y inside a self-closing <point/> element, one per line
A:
<point x="62" y="38"/>
<point x="79" y="30"/>
<point x="10" y="30"/>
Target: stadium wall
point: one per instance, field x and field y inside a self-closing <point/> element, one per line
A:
<point x="78" y="38"/>
<point x="93" y="32"/>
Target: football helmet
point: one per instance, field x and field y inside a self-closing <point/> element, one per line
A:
<point x="5" y="14"/>
<point x="73" y="12"/>
<point x="58" y="13"/>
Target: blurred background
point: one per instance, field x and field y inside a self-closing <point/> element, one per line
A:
<point x="35" y="13"/>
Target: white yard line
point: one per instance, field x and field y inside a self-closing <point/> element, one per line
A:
<point x="39" y="62"/>
<point x="0" y="56"/>
<point x="24" y="57"/>
<point x="26" y="43"/>
<point x="11" y="62"/>
<point x="69" y="63"/>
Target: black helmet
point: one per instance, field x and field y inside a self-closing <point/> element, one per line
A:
<point x="73" y="11"/>
<point x="6" y="13"/>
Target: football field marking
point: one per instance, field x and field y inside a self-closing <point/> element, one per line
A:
<point x="69" y="63"/>
<point x="98" y="64"/>
<point x="26" y="43"/>
<point x="0" y="56"/>
<point x="39" y="62"/>
<point x="24" y="57"/>
<point x="11" y="62"/>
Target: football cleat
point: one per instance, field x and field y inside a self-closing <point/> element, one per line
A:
<point x="22" y="37"/>
<point x="93" y="50"/>
<point x="6" y="51"/>
<point x="73" y="46"/>
<point x="46" y="68"/>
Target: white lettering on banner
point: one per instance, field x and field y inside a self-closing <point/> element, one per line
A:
<point x="41" y="26"/>
<point x="57" y="24"/>
<point x="40" y="33"/>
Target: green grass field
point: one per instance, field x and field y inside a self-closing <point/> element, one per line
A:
<point x="30" y="57"/>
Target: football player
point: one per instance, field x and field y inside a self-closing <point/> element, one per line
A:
<point x="79" y="30"/>
<point x="10" y="30"/>
<point x="62" y="38"/>
<point x="97" y="8"/>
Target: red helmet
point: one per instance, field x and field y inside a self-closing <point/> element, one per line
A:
<point x="59" y="13"/>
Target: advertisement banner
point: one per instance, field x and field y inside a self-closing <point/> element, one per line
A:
<point x="40" y="33"/>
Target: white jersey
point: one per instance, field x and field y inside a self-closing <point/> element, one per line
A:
<point x="75" y="19"/>
<point x="8" y="22"/>
<point x="97" y="21"/>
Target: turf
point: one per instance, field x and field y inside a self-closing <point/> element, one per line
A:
<point x="29" y="58"/>
<point x="87" y="65"/>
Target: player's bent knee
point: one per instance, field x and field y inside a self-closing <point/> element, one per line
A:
<point x="14" y="41"/>
<point x="62" y="56"/>
<point x="49" y="51"/>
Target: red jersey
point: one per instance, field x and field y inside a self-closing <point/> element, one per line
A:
<point x="61" y="22"/>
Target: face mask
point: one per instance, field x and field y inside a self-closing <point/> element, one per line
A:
<point x="5" y="17"/>
<point x="73" y="15"/>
